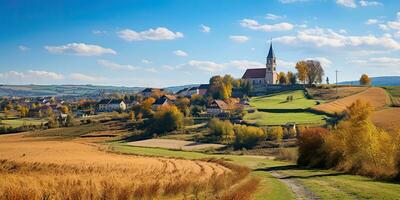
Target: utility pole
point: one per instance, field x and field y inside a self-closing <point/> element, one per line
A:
<point x="336" y="81"/>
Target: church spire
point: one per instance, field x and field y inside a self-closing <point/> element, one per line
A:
<point x="271" y="53"/>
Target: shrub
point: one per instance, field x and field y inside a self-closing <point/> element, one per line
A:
<point x="248" y="136"/>
<point x="166" y="119"/>
<point x="311" y="152"/>
<point x="275" y="133"/>
<point x="222" y="129"/>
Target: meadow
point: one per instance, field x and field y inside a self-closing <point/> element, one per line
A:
<point x="275" y="109"/>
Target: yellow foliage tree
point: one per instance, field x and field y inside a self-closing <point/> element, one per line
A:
<point x="302" y="71"/>
<point x="365" y="80"/>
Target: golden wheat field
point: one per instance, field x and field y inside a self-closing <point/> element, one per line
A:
<point x="377" y="97"/>
<point x="36" y="168"/>
<point x="387" y="118"/>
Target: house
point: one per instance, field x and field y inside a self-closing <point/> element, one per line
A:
<point x="162" y="101"/>
<point x="107" y="105"/>
<point x="263" y="76"/>
<point x="203" y="89"/>
<point x="149" y="91"/>
<point x="217" y="107"/>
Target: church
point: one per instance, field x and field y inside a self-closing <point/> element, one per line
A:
<point x="263" y="76"/>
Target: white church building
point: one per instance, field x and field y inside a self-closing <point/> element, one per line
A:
<point x="260" y="77"/>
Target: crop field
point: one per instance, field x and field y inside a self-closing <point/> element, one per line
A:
<point x="377" y="97"/>
<point x="271" y="119"/>
<point x="332" y="93"/>
<point x="33" y="168"/>
<point x="175" y="144"/>
<point x="20" y="122"/>
<point x="394" y="92"/>
<point x="276" y="110"/>
<point x="387" y="118"/>
<point x="279" y="101"/>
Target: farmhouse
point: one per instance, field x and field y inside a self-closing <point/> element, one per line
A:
<point x="217" y="107"/>
<point x="149" y="91"/>
<point x="108" y="105"/>
<point x="162" y="101"/>
<point x="263" y="76"/>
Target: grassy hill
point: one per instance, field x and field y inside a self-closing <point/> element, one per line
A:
<point x="277" y="110"/>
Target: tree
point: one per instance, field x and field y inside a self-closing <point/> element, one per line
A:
<point x="248" y="136"/>
<point x="166" y="118"/>
<point x="327" y="80"/>
<point x="228" y="84"/>
<point x="291" y="77"/>
<point x="223" y="130"/>
<point x="24" y="111"/>
<point x="218" y="88"/>
<point x="183" y="105"/>
<point x="365" y="80"/>
<point x="64" y="109"/>
<point x="246" y="87"/>
<point x="314" y="72"/>
<point x="302" y="71"/>
<point x="282" y="78"/>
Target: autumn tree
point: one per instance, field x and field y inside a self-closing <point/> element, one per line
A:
<point x="282" y="78"/>
<point x="314" y="72"/>
<point x="183" y="105"/>
<point x="223" y="130"/>
<point x="166" y="118"/>
<point x="64" y="109"/>
<point x="291" y="78"/>
<point x="302" y="71"/>
<point x="365" y="80"/>
<point x="24" y="110"/>
<point x="132" y="116"/>
<point x="248" y="136"/>
<point x="218" y="88"/>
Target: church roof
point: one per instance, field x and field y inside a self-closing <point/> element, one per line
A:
<point x="271" y="53"/>
<point x="254" y="73"/>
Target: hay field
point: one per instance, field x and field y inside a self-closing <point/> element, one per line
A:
<point x="34" y="168"/>
<point x="377" y="97"/>
<point x="333" y="93"/>
<point x="387" y="118"/>
<point x="175" y="144"/>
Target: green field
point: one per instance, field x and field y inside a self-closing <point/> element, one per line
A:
<point x="15" y="123"/>
<point x="325" y="184"/>
<point x="393" y="90"/>
<point x="278" y="101"/>
<point x="272" y="119"/>
<point x="276" y="110"/>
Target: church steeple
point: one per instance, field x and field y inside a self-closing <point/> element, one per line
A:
<point x="271" y="60"/>
<point x="271" y="53"/>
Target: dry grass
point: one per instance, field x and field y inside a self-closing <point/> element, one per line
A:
<point x="330" y="94"/>
<point x="377" y="97"/>
<point x="31" y="168"/>
<point x="388" y="118"/>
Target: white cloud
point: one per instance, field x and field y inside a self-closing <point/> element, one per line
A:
<point x="152" y="70"/>
<point x="384" y="27"/>
<point x="23" y="48"/>
<point x="205" y="29"/>
<point x="239" y="38"/>
<point x="325" y="62"/>
<point x="180" y="53"/>
<point x="84" y="77"/>
<point x="116" y="66"/>
<point x="364" y="3"/>
<point x="254" y="25"/>
<point x="30" y="76"/>
<point x="378" y="62"/>
<point x="245" y="64"/>
<point x="98" y="32"/>
<point x="328" y="38"/>
<point x="80" y="49"/>
<point x="271" y="16"/>
<point x="208" y="66"/>
<point x="160" y="33"/>
<point x="371" y="21"/>
<point x="145" y="61"/>
<point x="347" y="3"/>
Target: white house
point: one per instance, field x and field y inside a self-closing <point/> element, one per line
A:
<point x="108" y="105"/>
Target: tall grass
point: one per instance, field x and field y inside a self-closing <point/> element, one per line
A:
<point x="27" y="180"/>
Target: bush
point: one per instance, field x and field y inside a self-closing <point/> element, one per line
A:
<point x="248" y="136"/>
<point x="222" y="130"/>
<point x="275" y="133"/>
<point x="166" y="119"/>
<point x="311" y="152"/>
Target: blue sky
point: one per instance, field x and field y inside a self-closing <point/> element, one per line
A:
<point x="175" y="42"/>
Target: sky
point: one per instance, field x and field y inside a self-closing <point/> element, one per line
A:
<point x="160" y="43"/>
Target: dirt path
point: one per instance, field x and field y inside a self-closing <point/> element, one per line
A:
<point x="299" y="190"/>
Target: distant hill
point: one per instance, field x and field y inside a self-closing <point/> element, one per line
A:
<point x="378" y="81"/>
<point x="72" y="90"/>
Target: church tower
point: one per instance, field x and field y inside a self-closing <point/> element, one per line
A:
<point x="271" y="76"/>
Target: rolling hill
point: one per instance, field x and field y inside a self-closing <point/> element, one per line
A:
<point x="378" y="81"/>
